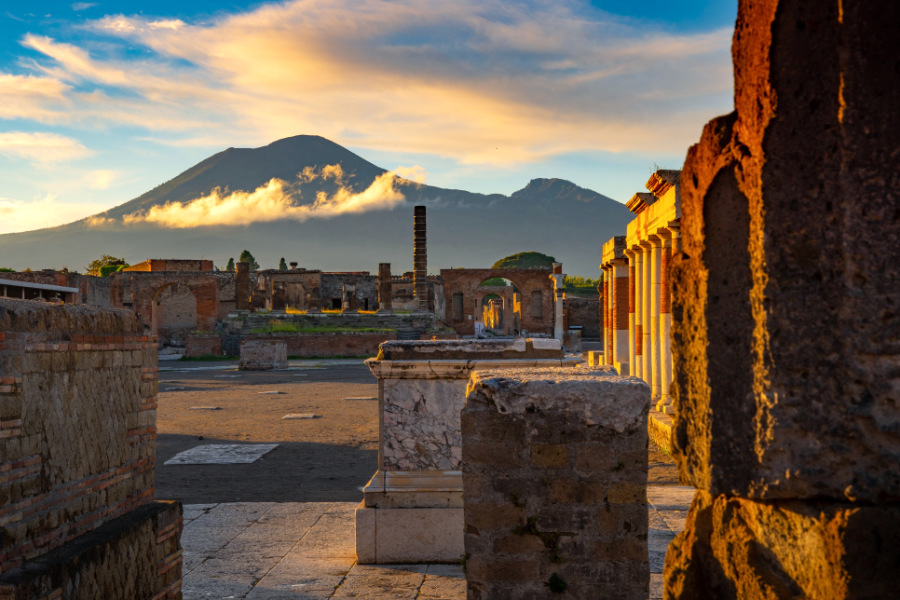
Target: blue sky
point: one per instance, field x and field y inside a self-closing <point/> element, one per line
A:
<point x="102" y="101"/>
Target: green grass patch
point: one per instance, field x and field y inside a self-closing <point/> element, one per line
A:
<point x="284" y="327"/>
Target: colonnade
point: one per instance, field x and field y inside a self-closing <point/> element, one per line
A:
<point x="637" y="288"/>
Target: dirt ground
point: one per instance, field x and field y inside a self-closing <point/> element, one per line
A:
<point x="326" y="458"/>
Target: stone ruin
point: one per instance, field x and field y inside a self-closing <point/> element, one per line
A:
<point x="78" y="519"/>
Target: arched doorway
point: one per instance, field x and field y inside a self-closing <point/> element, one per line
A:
<point x="498" y="308"/>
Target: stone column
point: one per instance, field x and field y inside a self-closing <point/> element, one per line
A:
<point x="646" y="293"/>
<point x="785" y="316"/>
<point x="607" y="318"/>
<point x="620" y="316"/>
<point x="638" y="312"/>
<point x="631" y="316"/>
<point x="420" y="259"/>
<point x="665" y="322"/>
<point x="558" y="296"/>
<point x="554" y="484"/>
<point x="655" y="356"/>
<point x="242" y="286"/>
<point x="385" y="291"/>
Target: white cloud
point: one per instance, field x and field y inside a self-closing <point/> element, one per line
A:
<point x="100" y="179"/>
<point x="80" y="6"/>
<point x="478" y="81"/>
<point x="29" y="97"/>
<point x="274" y="201"/>
<point x="41" y="148"/>
<point x="47" y="211"/>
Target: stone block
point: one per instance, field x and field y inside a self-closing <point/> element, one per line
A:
<point x="556" y="521"/>
<point x="739" y="548"/>
<point x="263" y="355"/>
<point x="408" y="535"/>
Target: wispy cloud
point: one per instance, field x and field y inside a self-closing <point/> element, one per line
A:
<point x="273" y="201"/>
<point x="41" y="148"/>
<point x="46" y="211"/>
<point x="100" y="179"/>
<point x="80" y="6"/>
<point x="483" y="82"/>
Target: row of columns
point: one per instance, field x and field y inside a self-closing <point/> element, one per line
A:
<point x="638" y="313"/>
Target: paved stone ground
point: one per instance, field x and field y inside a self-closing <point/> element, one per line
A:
<point x="305" y="550"/>
<point x="282" y="526"/>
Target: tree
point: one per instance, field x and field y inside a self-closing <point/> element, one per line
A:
<point x="282" y="266"/>
<point x="248" y="258"/>
<point x="525" y="260"/>
<point x="230" y="265"/>
<point x="105" y="265"/>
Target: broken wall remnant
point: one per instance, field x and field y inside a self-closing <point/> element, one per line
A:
<point x="785" y="314"/>
<point x="385" y="303"/>
<point x="412" y="507"/>
<point x="555" y="484"/>
<point x="263" y="355"/>
<point x="77" y="451"/>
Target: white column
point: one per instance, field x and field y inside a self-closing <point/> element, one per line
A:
<point x="638" y="340"/>
<point x="646" y="286"/>
<point x="665" y="320"/>
<point x="655" y="355"/>
<point x="631" y="312"/>
<point x="620" y="315"/>
<point x="558" y="287"/>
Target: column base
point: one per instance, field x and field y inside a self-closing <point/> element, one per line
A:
<point x="738" y="548"/>
<point x="410" y="517"/>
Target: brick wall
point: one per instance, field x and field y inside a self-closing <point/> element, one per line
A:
<point x="77" y="424"/>
<point x="328" y="344"/>
<point x="202" y="345"/>
<point x="554" y="475"/>
<point x="584" y="312"/>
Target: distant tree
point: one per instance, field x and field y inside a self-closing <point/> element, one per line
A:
<point x="230" y="265"/>
<point x="248" y="258"/>
<point x="105" y="265"/>
<point x="7" y="270"/>
<point x="525" y="260"/>
<point x="579" y="281"/>
<point x="282" y="266"/>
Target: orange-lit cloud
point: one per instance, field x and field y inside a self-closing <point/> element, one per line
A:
<point x="46" y="211"/>
<point x="482" y="82"/>
<point x="275" y="200"/>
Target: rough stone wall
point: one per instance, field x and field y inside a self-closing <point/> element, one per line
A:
<point x="466" y="281"/>
<point x="555" y="481"/>
<point x="366" y="289"/>
<point x="263" y="354"/>
<point x="328" y="344"/>
<point x="785" y="320"/>
<point x="584" y="312"/>
<point x="137" y="556"/>
<point x="203" y="345"/>
<point x="77" y="435"/>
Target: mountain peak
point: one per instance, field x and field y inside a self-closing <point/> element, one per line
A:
<point x="556" y="190"/>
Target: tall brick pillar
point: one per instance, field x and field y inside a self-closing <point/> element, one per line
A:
<point x="420" y="259"/>
<point x="785" y="315"/>
<point x="385" y="293"/>
<point x="242" y="286"/>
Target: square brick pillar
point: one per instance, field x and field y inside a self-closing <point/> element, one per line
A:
<point x="785" y="316"/>
<point x="555" y="484"/>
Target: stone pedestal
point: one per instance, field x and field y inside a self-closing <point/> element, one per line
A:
<point x="412" y="507"/>
<point x="263" y="355"/>
<point x="555" y="484"/>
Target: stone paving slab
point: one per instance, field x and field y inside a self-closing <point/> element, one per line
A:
<point x="305" y="551"/>
<point x="221" y="454"/>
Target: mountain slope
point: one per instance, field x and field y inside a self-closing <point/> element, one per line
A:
<point x="464" y="228"/>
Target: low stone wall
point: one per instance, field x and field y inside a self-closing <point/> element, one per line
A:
<point x="77" y="436"/>
<point x="555" y="484"/>
<point x="328" y="344"/>
<point x="262" y="355"/>
<point x="202" y="345"/>
<point x="584" y="312"/>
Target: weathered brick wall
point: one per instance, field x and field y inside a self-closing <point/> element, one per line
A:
<point x="584" y="312"/>
<point x="555" y="477"/>
<point x="202" y="345"/>
<point x="328" y="344"/>
<point x="77" y="423"/>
